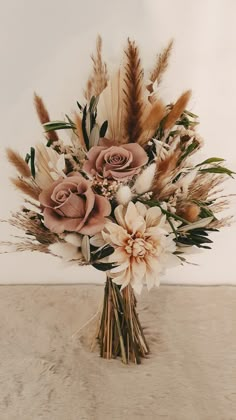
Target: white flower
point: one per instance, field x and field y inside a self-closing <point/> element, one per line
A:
<point x="142" y="243"/>
<point x="144" y="181"/>
<point x="124" y="195"/>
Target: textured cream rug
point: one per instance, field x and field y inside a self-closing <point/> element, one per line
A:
<point x="47" y="371"/>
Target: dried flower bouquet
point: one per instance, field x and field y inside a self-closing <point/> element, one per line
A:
<point x="125" y="195"/>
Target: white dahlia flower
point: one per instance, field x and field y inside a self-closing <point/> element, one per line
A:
<point x="144" y="248"/>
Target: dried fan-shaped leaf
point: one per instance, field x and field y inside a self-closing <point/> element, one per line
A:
<point x="16" y="160"/>
<point x="27" y="188"/>
<point x="111" y="107"/>
<point x="160" y="66"/>
<point x="99" y="77"/>
<point x="177" y="109"/>
<point x="133" y="94"/>
<point x="44" y="117"/>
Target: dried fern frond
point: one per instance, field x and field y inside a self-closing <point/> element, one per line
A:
<point x="26" y="187"/>
<point x="99" y="77"/>
<point x="152" y="121"/>
<point x="44" y="117"/>
<point x="133" y="94"/>
<point x="177" y="110"/>
<point x="18" y="162"/>
<point x="160" y="66"/>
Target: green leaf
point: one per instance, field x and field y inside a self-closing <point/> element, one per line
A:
<point x="58" y="125"/>
<point x="102" y="253"/>
<point x="103" y="266"/>
<point x="190" y="114"/>
<point x="218" y="170"/>
<point x="79" y="106"/>
<point x="27" y="157"/>
<point x="32" y="159"/>
<point x="103" y="129"/>
<point x="85" y="134"/>
<point x="210" y="160"/>
<point x="191" y="147"/>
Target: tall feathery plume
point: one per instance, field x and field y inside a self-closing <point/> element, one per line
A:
<point x="44" y="117"/>
<point x="99" y="77"/>
<point x="18" y="162"/>
<point x="27" y="188"/>
<point x="133" y="94"/>
<point x="151" y="121"/>
<point x="160" y="66"/>
<point x="177" y="110"/>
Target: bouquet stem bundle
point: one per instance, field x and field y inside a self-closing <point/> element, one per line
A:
<point x="120" y="332"/>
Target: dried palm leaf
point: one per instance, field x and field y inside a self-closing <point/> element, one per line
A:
<point x="44" y="117"/>
<point x="99" y="77"/>
<point x="111" y="107"/>
<point x="16" y="160"/>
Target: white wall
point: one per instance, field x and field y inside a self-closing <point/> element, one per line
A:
<point x="45" y="46"/>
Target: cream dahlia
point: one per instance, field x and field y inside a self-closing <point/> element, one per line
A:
<point x="144" y="248"/>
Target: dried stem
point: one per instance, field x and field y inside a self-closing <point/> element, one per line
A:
<point x="120" y="332"/>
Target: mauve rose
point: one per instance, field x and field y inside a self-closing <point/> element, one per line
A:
<point x="70" y="204"/>
<point x="115" y="162"/>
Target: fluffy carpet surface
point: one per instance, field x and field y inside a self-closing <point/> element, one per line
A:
<point x="48" y="371"/>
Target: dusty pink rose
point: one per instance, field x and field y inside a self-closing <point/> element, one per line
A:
<point x="115" y="162"/>
<point x="70" y="204"/>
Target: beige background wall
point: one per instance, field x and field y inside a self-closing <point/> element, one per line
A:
<point x="45" y="46"/>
